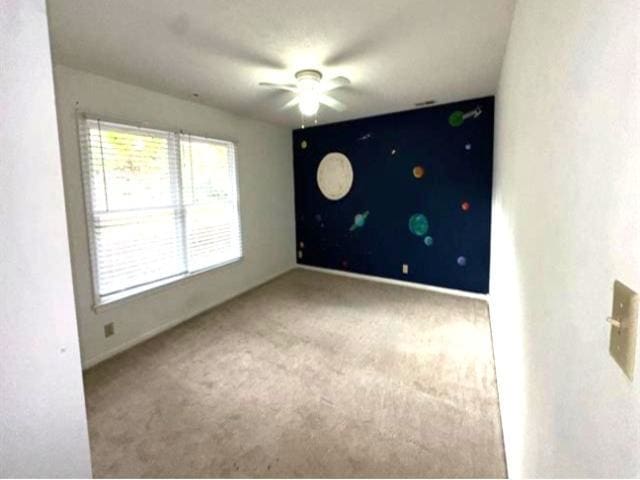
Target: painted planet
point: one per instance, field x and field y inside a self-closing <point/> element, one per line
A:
<point x="334" y="175"/>
<point x="462" y="261"/>
<point x="418" y="224"/>
<point x="393" y="151"/>
<point x="456" y="118"/>
<point x="359" y="220"/>
<point x="418" y="171"/>
<point x="467" y="146"/>
<point x="465" y="206"/>
<point x="428" y="241"/>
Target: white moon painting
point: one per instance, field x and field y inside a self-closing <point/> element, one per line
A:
<point x="335" y="176"/>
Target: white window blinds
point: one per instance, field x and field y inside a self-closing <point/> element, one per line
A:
<point x="161" y="205"/>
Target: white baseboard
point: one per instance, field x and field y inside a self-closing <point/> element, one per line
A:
<point x="158" y="330"/>
<point x="166" y="326"/>
<point x="131" y="343"/>
<point x="403" y="283"/>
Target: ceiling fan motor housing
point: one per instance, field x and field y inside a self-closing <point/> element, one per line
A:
<point x="313" y="75"/>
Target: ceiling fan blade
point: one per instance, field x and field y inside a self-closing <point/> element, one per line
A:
<point x="333" y="103"/>
<point x="281" y="86"/>
<point x="291" y="103"/>
<point x="336" y="82"/>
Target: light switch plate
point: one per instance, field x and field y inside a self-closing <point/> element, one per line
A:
<point x="622" y="345"/>
<point x="405" y="268"/>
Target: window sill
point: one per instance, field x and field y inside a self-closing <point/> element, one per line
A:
<point x="118" y="299"/>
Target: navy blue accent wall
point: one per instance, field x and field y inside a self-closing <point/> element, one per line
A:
<point x="429" y="168"/>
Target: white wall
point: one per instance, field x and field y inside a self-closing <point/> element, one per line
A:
<point x="43" y="427"/>
<point x="265" y="172"/>
<point x="566" y="223"/>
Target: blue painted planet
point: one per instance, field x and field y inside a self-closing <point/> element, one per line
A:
<point x="418" y="224"/>
<point x="428" y="241"/>
<point x="359" y="220"/>
<point x="462" y="261"/>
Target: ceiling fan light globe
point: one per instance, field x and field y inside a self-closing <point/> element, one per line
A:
<point x="309" y="105"/>
<point x="309" y="91"/>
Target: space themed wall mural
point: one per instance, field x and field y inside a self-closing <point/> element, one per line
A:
<point x="405" y="196"/>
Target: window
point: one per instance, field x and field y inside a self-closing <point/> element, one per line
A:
<point x="161" y="206"/>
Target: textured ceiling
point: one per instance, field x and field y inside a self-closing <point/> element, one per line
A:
<point x="396" y="52"/>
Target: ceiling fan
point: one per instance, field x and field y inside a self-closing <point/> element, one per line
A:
<point x="311" y="91"/>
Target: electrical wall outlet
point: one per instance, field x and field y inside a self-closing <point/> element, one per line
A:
<point x="624" y="327"/>
<point x="109" y="330"/>
<point x="405" y="268"/>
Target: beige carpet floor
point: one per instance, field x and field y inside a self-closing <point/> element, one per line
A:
<point x="308" y="375"/>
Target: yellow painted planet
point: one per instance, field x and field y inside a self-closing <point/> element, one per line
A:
<point x="418" y="171"/>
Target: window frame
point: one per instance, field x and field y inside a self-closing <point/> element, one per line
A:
<point x="101" y="303"/>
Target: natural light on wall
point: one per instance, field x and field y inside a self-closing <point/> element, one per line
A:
<point x="161" y="206"/>
<point x="507" y="328"/>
